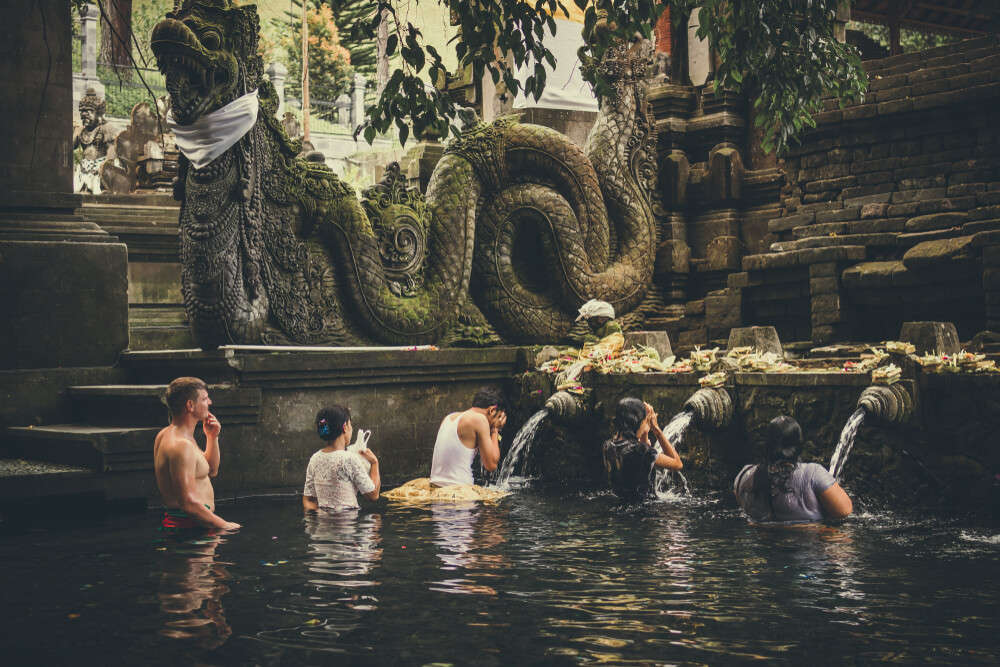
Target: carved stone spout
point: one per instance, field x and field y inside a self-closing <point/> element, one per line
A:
<point x="564" y="406"/>
<point x="890" y="405"/>
<point x="712" y="408"/>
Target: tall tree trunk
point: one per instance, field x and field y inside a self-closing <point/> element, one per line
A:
<point x="305" y="72"/>
<point x="116" y="36"/>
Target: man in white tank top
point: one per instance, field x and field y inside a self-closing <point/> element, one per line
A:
<point x="462" y="433"/>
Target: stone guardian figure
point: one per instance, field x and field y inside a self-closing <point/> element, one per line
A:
<point x="93" y="137"/>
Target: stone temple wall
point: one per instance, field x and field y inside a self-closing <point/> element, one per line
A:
<point x="891" y="208"/>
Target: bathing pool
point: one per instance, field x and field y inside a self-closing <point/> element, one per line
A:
<point x="540" y="578"/>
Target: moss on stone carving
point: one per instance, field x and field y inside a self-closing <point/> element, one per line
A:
<point x="277" y="249"/>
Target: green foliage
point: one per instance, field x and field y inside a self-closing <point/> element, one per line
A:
<point x="780" y="51"/>
<point x="909" y="40"/>
<point x="145" y="15"/>
<point x="346" y="13"/>
<point x="330" y="71"/>
<point x="784" y="53"/>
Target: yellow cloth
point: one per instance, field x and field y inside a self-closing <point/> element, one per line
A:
<point x="420" y="491"/>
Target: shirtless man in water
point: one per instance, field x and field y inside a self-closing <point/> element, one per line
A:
<point x="182" y="468"/>
<point x="461" y="434"/>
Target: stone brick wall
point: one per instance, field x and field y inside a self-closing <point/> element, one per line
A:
<point x="889" y="204"/>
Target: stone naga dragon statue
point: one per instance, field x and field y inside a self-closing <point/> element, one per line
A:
<point x="277" y="249"/>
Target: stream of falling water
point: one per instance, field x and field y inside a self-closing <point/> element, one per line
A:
<point x="846" y="442"/>
<point x="663" y="482"/>
<point x="520" y="448"/>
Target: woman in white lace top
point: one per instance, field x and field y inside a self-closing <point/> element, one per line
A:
<point x="335" y="476"/>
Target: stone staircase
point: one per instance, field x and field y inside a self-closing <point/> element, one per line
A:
<point x="147" y="225"/>
<point x="106" y="447"/>
<point x="892" y="208"/>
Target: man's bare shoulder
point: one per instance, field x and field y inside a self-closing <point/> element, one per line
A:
<point x="170" y="443"/>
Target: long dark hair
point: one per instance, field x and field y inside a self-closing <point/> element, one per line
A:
<point x="330" y="422"/>
<point x="783" y="446"/>
<point x="629" y="415"/>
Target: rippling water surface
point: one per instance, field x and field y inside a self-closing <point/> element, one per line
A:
<point x="569" y="579"/>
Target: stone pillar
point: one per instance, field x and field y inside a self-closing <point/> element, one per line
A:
<point x="418" y="163"/>
<point x="841" y="20"/>
<point x="87" y="77"/>
<point x="829" y="314"/>
<point x="358" y="100"/>
<point x="277" y="73"/>
<point x="62" y="280"/>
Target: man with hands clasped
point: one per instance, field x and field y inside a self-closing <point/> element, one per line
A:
<point x="462" y="434"/>
<point x="629" y="456"/>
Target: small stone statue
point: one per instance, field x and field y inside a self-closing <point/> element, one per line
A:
<point x="93" y="138"/>
<point x="661" y="67"/>
<point x="118" y="174"/>
<point x="291" y="125"/>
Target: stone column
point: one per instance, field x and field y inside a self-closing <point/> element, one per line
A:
<point x="87" y="77"/>
<point x="277" y="73"/>
<point x="358" y="101"/>
<point x="62" y="280"/>
<point x="841" y="20"/>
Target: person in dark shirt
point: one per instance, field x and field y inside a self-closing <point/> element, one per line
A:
<point x="629" y="457"/>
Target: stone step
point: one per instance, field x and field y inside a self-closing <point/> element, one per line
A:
<point x="162" y="366"/>
<point x="154" y="338"/>
<point x="42" y="216"/>
<point x="142" y="198"/>
<point x="121" y="405"/>
<point x="964" y="49"/>
<point x="50" y="228"/>
<point x="98" y="448"/>
<point x="152" y="212"/>
<point x="125" y="220"/>
<point x="24" y="482"/>
<point x="157" y="315"/>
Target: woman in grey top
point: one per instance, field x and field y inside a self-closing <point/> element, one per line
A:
<point x="782" y="489"/>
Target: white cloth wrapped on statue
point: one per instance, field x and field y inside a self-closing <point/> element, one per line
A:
<point x="87" y="175"/>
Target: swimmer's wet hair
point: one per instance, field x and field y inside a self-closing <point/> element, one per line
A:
<point x="487" y="397"/>
<point x="180" y="391"/>
<point x="629" y="415"/>
<point x="330" y="422"/>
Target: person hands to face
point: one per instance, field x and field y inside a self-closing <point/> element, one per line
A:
<point x="496" y="418"/>
<point x="652" y="417"/>
<point x="212" y="426"/>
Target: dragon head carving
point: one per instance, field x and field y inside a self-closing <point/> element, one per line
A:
<point x="207" y="50"/>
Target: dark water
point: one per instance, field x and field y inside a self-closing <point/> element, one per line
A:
<point x="568" y="579"/>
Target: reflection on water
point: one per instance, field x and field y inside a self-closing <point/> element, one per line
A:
<point x="571" y="578"/>
<point x="465" y="538"/>
<point x="191" y="590"/>
<point x="339" y="589"/>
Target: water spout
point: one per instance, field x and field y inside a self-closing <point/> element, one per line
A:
<point x="712" y="408"/>
<point x="890" y="404"/>
<point x="663" y="481"/>
<point x="520" y="448"/>
<point x="565" y="406"/>
<point x="846" y="442"/>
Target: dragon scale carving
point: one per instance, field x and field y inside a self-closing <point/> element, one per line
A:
<point x="276" y="249"/>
